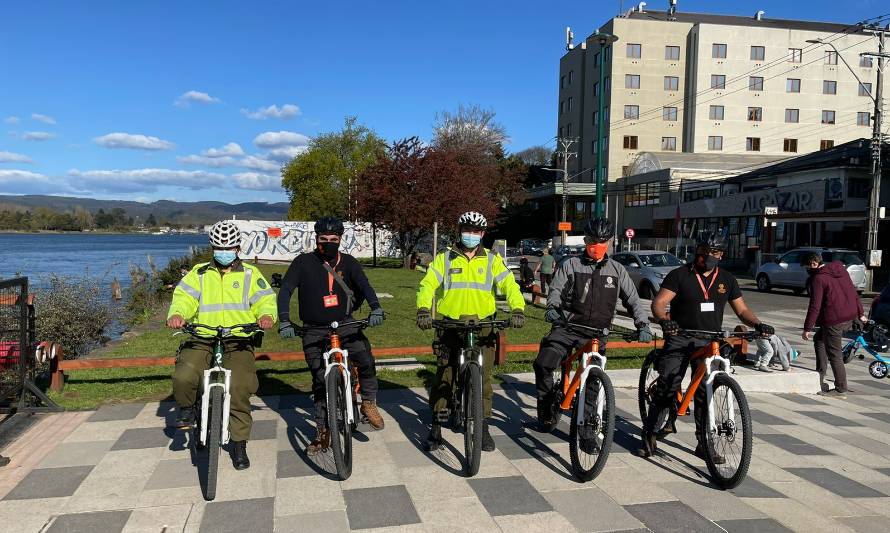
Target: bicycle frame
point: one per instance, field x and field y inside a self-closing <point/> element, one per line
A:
<point x="588" y="356"/>
<point x="212" y="379"/>
<point x="860" y="343"/>
<point x="710" y="354"/>
<point x="337" y="359"/>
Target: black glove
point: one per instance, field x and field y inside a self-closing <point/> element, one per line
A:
<point x="286" y="330"/>
<point x="517" y="319"/>
<point x="669" y="327"/>
<point x="644" y="334"/>
<point x="552" y="315"/>
<point x="376" y="317"/>
<point x="765" y="330"/>
<point x="424" y="318"/>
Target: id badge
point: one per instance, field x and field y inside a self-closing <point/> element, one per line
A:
<point x="331" y="300"/>
<point x="707" y="307"/>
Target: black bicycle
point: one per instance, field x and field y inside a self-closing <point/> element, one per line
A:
<point x="214" y="399"/>
<point x="342" y="391"/>
<point x="466" y="402"/>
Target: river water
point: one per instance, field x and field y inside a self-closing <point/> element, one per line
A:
<point x="98" y="256"/>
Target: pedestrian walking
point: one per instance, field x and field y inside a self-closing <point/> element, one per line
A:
<point x="545" y="270"/>
<point x="834" y="304"/>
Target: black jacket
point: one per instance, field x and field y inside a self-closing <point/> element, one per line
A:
<point x="308" y="275"/>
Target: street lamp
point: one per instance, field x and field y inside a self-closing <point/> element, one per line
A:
<point x="604" y="39"/>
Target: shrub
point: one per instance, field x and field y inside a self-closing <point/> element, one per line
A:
<point x="73" y="312"/>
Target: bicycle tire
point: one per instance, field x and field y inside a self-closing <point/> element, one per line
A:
<point x="340" y="428"/>
<point x="848" y="352"/>
<point x="645" y="389"/>
<point x="605" y="426"/>
<point x="473" y="418"/>
<point x="727" y="477"/>
<point x="214" y="438"/>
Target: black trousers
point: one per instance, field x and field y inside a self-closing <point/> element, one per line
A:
<point x="672" y="362"/>
<point x="359" y="349"/>
<point x="828" y="342"/>
<point x="555" y="347"/>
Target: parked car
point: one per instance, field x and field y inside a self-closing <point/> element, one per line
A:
<point x="532" y="246"/>
<point x="512" y="258"/>
<point x="786" y="272"/>
<point x="564" y="252"/>
<point x="647" y="268"/>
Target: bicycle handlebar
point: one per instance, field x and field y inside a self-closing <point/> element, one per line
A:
<point x="597" y="332"/>
<point x="470" y="324"/>
<point x="716" y="335"/>
<point x="221" y="332"/>
<point x="332" y="327"/>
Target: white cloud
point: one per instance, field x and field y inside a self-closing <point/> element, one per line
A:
<point x="286" y="153"/>
<point x="37" y="136"/>
<point x="189" y="97"/>
<point x="273" y="111"/>
<point x="259" y="163"/>
<point x="11" y="120"/>
<point x="257" y="182"/>
<point x="132" y="141"/>
<point x="229" y="149"/>
<point x="276" y="139"/>
<point x="12" y="157"/>
<point x="26" y="182"/>
<point x="46" y="119"/>
<point x="252" y="162"/>
<point x="145" y="179"/>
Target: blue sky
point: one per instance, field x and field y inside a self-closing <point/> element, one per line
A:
<point x="171" y="100"/>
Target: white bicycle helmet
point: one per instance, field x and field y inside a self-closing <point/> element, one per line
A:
<point x="225" y="234"/>
<point x="473" y="220"/>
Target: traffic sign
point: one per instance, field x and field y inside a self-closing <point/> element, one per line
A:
<point x="629" y="233"/>
<point x="565" y="226"/>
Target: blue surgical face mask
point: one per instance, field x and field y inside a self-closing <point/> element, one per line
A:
<point x="470" y="240"/>
<point x="225" y="257"/>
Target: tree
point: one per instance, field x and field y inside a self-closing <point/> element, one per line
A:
<point x="83" y="218"/>
<point x="322" y="180"/>
<point x="470" y="129"/>
<point x="151" y="221"/>
<point x="536" y="156"/>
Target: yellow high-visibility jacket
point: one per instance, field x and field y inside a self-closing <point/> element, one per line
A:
<point x="207" y="296"/>
<point x="467" y="285"/>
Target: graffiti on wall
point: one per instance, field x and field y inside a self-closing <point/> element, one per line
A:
<point x="284" y="240"/>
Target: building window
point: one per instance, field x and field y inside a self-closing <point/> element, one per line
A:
<point x="830" y="57"/>
<point x="569" y="129"/>
<point x="865" y="62"/>
<point x="758" y="53"/>
<point x="669" y="113"/>
<point x="718" y="81"/>
<point x="718" y="51"/>
<point x="792" y="116"/>
<point x="752" y="144"/>
<point x="700" y="194"/>
<point x="562" y="82"/>
<point x="569" y="103"/>
<point x="596" y="116"/>
<point x="715" y="142"/>
<point x="593" y="147"/>
<point x="631" y="81"/>
<point x="560" y="131"/>
<point x="865" y="89"/>
<point x="672" y="53"/>
<point x="829" y="87"/>
<point x="792" y="85"/>
<point x="607" y="82"/>
<point x="634" y="50"/>
<point x="607" y="54"/>
<point x="795" y="55"/>
<point x="716" y="112"/>
<point x="632" y="111"/>
<point x="580" y="207"/>
<point x="669" y="144"/>
<point x="571" y="76"/>
<point x="630" y="142"/>
<point x="671" y="83"/>
<point x="642" y="194"/>
<point x="596" y="59"/>
<point x="827" y="116"/>
<point x="562" y="107"/>
<point x="755" y="83"/>
<point x="863" y="119"/>
<point x="825" y="144"/>
<point x="755" y="114"/>
<point x="789" y="145"/>
<point x="596" y="89"/>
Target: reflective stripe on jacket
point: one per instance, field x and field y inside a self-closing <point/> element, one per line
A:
<point x="207" y="296"/>
<point x="466" y="286"/>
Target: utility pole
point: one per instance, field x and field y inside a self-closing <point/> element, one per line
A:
<point x="566" y="144"/>
<point x="874" y="205"/>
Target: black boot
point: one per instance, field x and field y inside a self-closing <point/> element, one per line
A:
<point x="434" y="440"/>
<point x="547" y="415"/>
<point x="487" y="441"/>
<point x="186" y="418"/>
<point x="650" y="444"/>
<point x="239" y="455"/>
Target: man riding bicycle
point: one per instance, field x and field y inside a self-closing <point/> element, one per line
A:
<point x="585" y="290"/>
<point x="223" y="292"/>
<point x="331" y="285"/>
<point x="468" y="274"/>
<point x="697" y="294"/>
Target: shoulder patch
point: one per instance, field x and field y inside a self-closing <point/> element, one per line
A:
<point x="261" y="283"/>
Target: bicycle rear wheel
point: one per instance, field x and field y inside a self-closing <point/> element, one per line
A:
<point x="646" y="391"/>
<point x="338" y="423"/>
<point x="849" y="352"/>
<point x="214" y="436"/>
<point x="591" y="438"/>
<point x="730" y="437"/>
<point x="473" y="418"/>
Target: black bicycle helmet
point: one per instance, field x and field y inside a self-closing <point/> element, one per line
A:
<point x="600" y="229"/>
<point x="714" y="240"/>
<point x="328" y="225"/>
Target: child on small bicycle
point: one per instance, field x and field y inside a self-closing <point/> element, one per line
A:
<point x="223" y="292"/>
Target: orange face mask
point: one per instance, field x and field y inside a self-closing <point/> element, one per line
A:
<point x="597" y="251"/>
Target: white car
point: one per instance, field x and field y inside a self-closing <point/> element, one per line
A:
<point x="647" y="268"/>
<point x="787" y="273"/>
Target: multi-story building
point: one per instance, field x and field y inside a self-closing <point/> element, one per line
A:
<point x="703" y="83"/>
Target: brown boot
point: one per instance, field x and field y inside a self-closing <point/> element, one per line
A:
<point x="321" y="443"/>
<point x="369" y="410"/>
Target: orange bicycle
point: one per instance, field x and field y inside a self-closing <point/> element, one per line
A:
<point x="728" y="439"/>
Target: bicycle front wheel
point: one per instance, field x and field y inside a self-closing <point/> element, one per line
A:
<point x="471" y="399"/>
<point x="591" y="436"/>
<point x="214" y="437"/>
<point x="338" y="423"/>
<point x="646" y="391"/>
<point x="728" y="439"/>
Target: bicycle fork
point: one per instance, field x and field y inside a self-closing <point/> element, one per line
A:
<point x="588" y="361"/>
<point x="337" y="359"/>
<point x="710" y="376"/>
<point x="216" y="377"/>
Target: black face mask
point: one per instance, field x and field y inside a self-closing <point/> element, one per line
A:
<point x="329" y="250"/>
<point x="705" y="262"/>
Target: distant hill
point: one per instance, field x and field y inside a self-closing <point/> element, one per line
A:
<point x="163" y="210"/>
